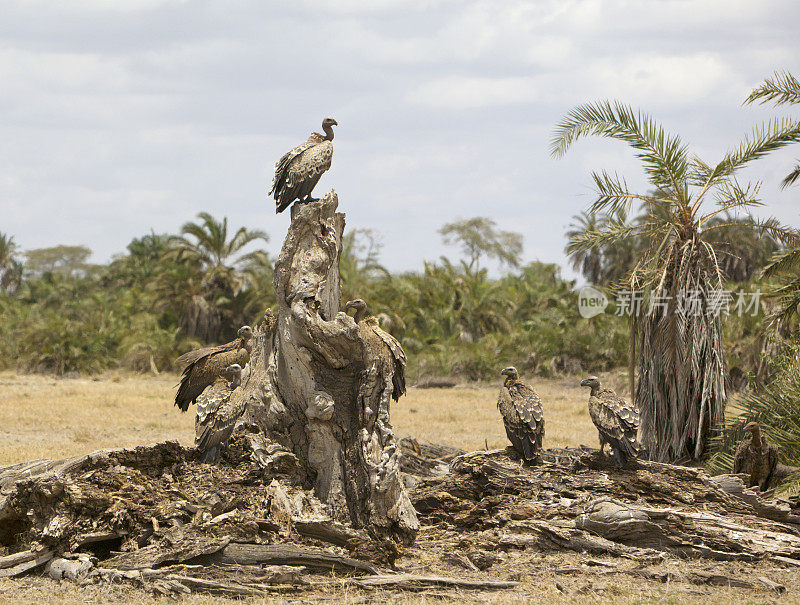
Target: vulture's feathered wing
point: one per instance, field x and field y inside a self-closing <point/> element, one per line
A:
<point x="382" y="345"/>
<point x="397" y="353"/>
<point x="757" y="458"/>
<point x="523" y="416"/>
<point x="616" y="420"/>
<point x="203" y="366"/>
<point x="299" y="170"/>
<point x="217" y="418"/>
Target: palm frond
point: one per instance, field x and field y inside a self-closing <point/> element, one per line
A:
<point x="791" y="178"/>
<point x="782" y="89"/>
<point x="663" y="155"/>
<point x="765" y="138"/>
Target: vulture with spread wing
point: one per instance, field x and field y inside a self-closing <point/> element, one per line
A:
<point x="756" y="457"/>
<point x="203" y="366"/>
<point x="616" y="420"/>
<point x="522" y="414"/>
<point x="299" y="170"/>
<point x="382" y="344"/>
<point x="217" y="414"/>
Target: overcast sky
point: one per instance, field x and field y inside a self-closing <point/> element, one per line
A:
<point x="122" y="116"/>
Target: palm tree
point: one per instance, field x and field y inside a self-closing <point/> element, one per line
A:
<point x="678" y="348"/>
<point x="212" y="273"/>
<point x="588" y="261"/>
<point x="10" y="267"/>
<point x="782" y="89"/>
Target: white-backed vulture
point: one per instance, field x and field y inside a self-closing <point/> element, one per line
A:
<point x="382" y="344"/>
<point x="756" y="457"/>
<point x="299" y="170"/>
<point x="202" y="367"/>
<point x="523" y="416"/>
<point x="616" y="420"/>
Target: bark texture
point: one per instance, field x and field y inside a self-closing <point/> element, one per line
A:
<point x="318" y="390"/>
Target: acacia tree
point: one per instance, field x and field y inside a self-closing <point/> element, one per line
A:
<point x="479" y="236"/>
<point x="677" y="342"/>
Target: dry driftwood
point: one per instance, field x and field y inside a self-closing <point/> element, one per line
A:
<point x="316" y="388"/>
<point x="577" y="500"/>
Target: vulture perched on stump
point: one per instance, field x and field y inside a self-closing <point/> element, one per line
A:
<point x="382" y="344"/>
<point x="212" y="411"/>
<point x="756" y="457"/>
<point x="616" y="420"/>
<point x="298" y="171"/>
<point x="203" y="366"/>
<point x="522" y="414"/>
<point x="218" y="414"/>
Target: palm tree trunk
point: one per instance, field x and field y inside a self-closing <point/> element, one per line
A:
<point x="682" y="386"/>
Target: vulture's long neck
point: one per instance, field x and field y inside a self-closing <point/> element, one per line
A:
<point x="595" y="390"/>
<point x="360" y="313"/>
<point x="755" y="442"/>
<point x="510" y="381"/>
<point x="328" y="132"/>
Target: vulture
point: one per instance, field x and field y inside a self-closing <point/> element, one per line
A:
<point x="616" y="420"/>
<point x="382" y="344"/>
<point x="299" y="170"/>
<point x="756" y="457"/>
<point x="203" y="366"/>
<point x="218" y="409"/>
<point x="522" y="414"/>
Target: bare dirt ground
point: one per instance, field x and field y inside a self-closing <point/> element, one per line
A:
<point x="41" y="417"/>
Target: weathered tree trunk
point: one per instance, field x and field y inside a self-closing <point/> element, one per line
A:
<point x="317" y="389"/>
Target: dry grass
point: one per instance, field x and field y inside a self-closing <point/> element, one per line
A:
<point x="41" y="417"/>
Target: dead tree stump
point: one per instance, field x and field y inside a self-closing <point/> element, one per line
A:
<point x="318" y="390"/>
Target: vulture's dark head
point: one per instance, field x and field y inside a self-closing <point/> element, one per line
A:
<point x="591" y="381"/>
<point x="329" y="121"/>
<point x="752" y="427"/>
<point x="245" y="332"/>
<point x="511" y="372"/>
<point x="358" y="304"/>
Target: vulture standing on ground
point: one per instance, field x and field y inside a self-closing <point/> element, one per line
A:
<point x="616" y="420"/>
<point x="217" y="419"/>
<point x="522" y="414"/>
<point x="203" y="366"/>
<point x="297" y="172"/>
<point x="212" y="406"/>
<point x="756" y="457"/>
<point x="385" y="345"/>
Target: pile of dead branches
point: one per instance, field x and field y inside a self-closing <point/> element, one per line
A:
<point x="158" y="518"/>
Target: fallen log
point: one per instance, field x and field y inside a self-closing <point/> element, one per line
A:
<point x="407" y="581"/>
<point x="19" y="563"/>
<point x="287" y="554"/>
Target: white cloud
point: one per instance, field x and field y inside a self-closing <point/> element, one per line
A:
<point x="460" y="92"/>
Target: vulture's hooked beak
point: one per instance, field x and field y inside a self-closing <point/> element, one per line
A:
<point x="585" y="382"/>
